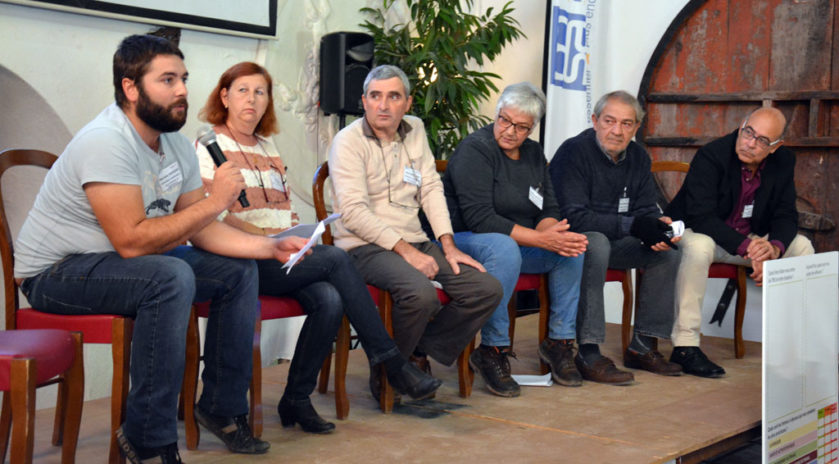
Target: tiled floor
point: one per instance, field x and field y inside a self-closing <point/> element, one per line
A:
<point x="655" y="420"/>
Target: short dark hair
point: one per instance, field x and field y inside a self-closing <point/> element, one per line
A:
<point x="132" y="59"/>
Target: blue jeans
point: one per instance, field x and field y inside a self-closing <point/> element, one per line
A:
<point x="157" y="291"/>
<point x="327" y="285"/>
<point x="504" y="259"/>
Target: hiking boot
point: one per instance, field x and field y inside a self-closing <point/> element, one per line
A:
<point x="492" y="364"/>
<point x="233" y="431"/>
<point x="559" y="355"/>
<point x="137" y="455"/>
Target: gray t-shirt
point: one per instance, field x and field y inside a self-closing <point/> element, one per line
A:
<point x="108" y="149"/>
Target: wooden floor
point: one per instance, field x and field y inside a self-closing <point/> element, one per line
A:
<point x="655" y="420"/>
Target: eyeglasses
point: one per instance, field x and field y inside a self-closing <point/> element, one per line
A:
<point x="397" y="152"/>
<point x="749" y="134"/>
<point x="519" y="128"/>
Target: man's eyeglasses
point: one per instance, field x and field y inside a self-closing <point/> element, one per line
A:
<point x="749" y="134"/>
<point x="504" y="123"/>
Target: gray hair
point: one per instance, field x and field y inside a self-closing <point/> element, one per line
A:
<point x="384" y="72"/>
<point x="525" y="97"/>
<point x="623" y="97"/>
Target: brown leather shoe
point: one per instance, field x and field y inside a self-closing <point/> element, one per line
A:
<point x="603" y="371"/>
<point x="653" y="361"/>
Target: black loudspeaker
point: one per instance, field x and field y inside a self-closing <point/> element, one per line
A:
<point x="345" y="60"/>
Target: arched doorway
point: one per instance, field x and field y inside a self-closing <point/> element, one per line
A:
<point x="722" y="58"/>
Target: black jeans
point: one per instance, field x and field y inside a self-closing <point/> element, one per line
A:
<point x="327" y="285"/>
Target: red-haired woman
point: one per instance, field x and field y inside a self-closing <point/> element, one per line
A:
<point x="326" y="283"/>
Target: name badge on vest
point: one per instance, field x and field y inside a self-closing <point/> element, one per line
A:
<point x="623" y="202"/>
<point x="535" y="197"/>
<point x="412" y="176"/>
<point x="748" y="210"/>
<point x="170" y="177"/>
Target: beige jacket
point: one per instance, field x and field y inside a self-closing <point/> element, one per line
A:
<point x="369" y="189"/>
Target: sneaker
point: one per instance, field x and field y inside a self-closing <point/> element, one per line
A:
<point x="694" y="361"/>
<point x="559" y="355"/>
<point x="492" y="364"/>
<point x="137" y="455"/>
<point x="233" y="431"/>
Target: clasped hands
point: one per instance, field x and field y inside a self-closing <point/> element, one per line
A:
<point x="558" y="238"/>
<point x="758" y="251"/>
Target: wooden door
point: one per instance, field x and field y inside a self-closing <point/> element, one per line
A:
<point x="722" y="58"/>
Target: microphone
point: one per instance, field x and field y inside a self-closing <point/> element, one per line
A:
<point x="207" y="137"/>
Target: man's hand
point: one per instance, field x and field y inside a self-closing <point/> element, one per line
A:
<point x="760" y="250"/>
<point x="455" y="257"/>
<point x="285" y="247"/>
<point x="651" y="231"/>
<point x="227" y="183"/>
<point x="757" y="275"/>
<point x="559" y="239"/>
<point x="421" y="261"/>
<point x="662" y="246"/>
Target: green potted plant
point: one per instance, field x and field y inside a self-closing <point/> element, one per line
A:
<point x="438" y="49"/>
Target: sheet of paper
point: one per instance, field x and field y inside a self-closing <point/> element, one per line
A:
<point x="534" y="380"/>
<point x="319" y="228"/>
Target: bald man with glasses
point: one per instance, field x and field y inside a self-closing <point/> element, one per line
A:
<point x="738" y="202"/>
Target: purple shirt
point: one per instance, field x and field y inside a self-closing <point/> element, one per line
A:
<point x="748" y="187"/>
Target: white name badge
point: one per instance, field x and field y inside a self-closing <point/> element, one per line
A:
<point x="170" y="177"/>
<point x="623" y="205"/>
<point x="276" y="181"/>
<point x="412" y="176"/>
<point x="536" y="198"/>
<point x="748" y="210"/>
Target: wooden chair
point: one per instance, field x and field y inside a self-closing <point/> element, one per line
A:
<point x="104" y="328"/>
<point x="716" y="271"/>
<point x="36" y="358"/>
<point x="385" y="304"/>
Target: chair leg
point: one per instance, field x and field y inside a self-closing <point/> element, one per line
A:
<point x="189" y="390"/>
<point x="465" y="376"/>
<point x="323" y="378"/>
<point x="121" y="333"/>
<point x="740" y="313"/>
<point x="5" y="424"/>
<point x="544" y="318"/>
<point x="342" y="355"/>
<point x="73" y="384"/>
<point x="626" y="319"/>
<point x="255" y="416"/>
<point x="511" y="316"/>
<point x="23" y="375"/>
<point x="60" y="411"/>
<point x="386" y="313"/>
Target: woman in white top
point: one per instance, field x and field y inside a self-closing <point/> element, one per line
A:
<point x="326" y="282"/>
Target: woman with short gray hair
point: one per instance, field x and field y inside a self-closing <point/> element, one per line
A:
<point x="505" y="215"/>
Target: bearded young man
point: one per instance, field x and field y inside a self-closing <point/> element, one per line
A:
<point x="103" y="238"/>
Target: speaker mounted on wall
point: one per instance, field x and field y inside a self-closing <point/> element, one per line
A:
<point x="345" y="60"/>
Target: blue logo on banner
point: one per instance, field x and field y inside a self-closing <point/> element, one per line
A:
<point x="569" y="50"/>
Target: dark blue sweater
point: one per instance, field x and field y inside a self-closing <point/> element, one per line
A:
<point x="589" y="185"/>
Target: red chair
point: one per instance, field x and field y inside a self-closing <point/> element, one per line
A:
<point x="270" y="308"/>
<point x="716" y="271"/>
<point x="36" y="358"/>
<point x="115" y="330"/>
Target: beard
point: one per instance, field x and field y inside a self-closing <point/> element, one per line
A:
<point x="158" y="117"/>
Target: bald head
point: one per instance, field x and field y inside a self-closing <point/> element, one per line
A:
<point x="770" y="119"/>
<point x="759" y="136"/>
